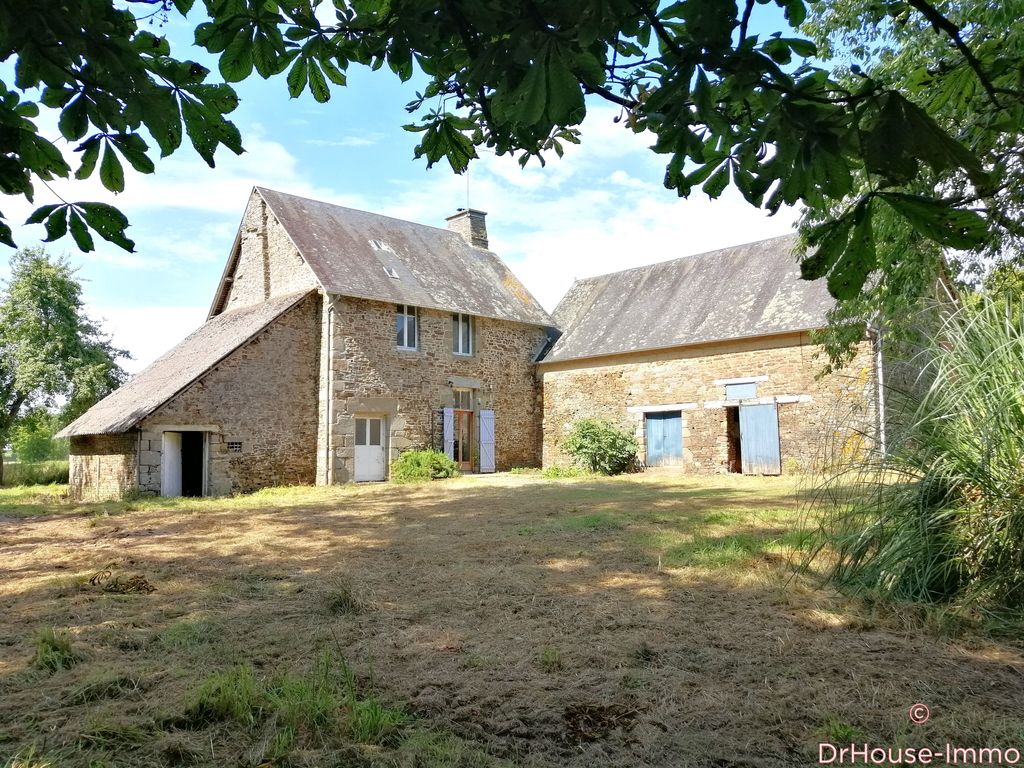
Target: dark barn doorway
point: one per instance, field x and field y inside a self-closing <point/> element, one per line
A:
<point x="732" y="436"/>
<point x="192" y="463"/>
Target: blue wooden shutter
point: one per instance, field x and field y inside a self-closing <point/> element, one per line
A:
<point x="759" y="439"/>
<point x="449" y="432"/>
<point x="486" y="441"/>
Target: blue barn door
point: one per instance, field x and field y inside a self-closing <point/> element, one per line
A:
<point x="759" y="439"/>
<point x="664" y="439"/>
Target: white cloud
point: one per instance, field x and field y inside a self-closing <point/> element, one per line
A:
<point x="347" y="141"/>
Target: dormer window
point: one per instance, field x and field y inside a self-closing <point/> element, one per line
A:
<point x="406" y="328"/>
<point x="391" y="272"/>
<point x="462" y="334"/>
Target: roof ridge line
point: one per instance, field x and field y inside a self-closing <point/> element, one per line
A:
<point x="684" y="258"/>
<point x="363" y="210"/>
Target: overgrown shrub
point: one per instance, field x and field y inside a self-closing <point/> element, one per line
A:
<point x="600" y="446"/>
<point x="939" y="516"/>
<point x="420" y="466"/>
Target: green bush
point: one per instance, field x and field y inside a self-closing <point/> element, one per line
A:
<point x="599" y="446"/>
<point x="420" y="466"/>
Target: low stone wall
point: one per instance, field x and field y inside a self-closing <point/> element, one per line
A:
<point x="816" y="415"/>
<point x="102" y="467"/>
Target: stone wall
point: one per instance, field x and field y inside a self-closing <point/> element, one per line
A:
<point x="263" y="396"/>
<point x="102" y="466"/>
<point x="268" y="262"/>
<point x="816" y="416"/>
<point x="369" y="376"/>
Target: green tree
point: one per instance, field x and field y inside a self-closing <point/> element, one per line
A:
<point x="32" y="436"/>
<point x="50" y="350"/>
<point x="762" y="113"/>
<point x="900" y="48"/>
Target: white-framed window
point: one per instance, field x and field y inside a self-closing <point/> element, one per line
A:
<point x="462" y="333"/>
<point x="406" y="327"/>
<point x="463" y="399"/>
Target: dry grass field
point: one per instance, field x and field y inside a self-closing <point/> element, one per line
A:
<point x="504" y="620"/>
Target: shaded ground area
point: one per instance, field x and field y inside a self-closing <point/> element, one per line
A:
<point x="646" y="620"/>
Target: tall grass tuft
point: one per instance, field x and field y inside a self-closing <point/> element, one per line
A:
<point x="53" y="651"/>
<point x="939" y="516"/>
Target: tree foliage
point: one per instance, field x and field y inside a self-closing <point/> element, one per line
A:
<point x="51" y="353"/>
<point x="962" y="64"/>
<point x="924" y="133"/>
<point x="32" y="437"/>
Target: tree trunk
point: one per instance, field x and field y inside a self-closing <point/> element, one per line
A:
<point x="1" y="464"/>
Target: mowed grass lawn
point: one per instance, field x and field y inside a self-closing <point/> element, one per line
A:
<point x="506" y="620"/>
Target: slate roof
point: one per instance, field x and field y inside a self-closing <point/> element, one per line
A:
<point x="351" y="252"/>
<point x="740" y="292"/>
<point x="218" y="337"/>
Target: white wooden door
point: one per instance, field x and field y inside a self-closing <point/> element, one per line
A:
<point x="486" y="441"/>
<point x="370" y="449"/>
<point x="170" y="464"/>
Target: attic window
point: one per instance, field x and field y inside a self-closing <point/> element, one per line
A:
<point x="390" y="272"/>
<point x="380" y="245"/>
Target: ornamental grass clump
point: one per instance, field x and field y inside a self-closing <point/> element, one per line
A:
<point x="938" y="517"/>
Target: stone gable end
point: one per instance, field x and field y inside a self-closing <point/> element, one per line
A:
<point x="268" y="263"/>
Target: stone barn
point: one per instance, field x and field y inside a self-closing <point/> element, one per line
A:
<point x="708" y="360"/>
<point x="336" y="339"/>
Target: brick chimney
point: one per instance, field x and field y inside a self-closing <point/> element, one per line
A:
<point x="471" y="224"/>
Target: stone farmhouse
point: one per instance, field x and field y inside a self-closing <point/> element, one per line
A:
<point x="338" y="338"/>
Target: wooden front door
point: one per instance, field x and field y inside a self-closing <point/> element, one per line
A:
<point x="463" y="447"/>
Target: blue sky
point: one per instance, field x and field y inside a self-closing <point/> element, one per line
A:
<point x="600" y="208"/>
